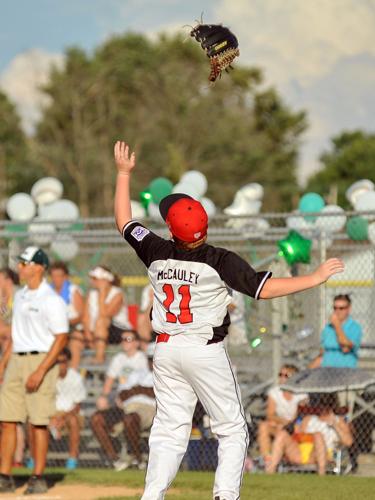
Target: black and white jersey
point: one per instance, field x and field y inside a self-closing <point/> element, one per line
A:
<point x="191" y="287"/>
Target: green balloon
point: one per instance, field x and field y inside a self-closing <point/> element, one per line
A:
<point x="145" y="198"/>
<point x="160" y="188"/>
<point x="357" y="228"/>
<point x="295" y="248"/>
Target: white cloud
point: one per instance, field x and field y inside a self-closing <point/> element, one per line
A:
<point x="22" y="81"/>
<point x="320" y="54"/>
<point x="300" y="39"/>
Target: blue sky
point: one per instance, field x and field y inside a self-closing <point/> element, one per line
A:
<point x="320" y="54"/>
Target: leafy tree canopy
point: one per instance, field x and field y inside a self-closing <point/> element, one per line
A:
<point x="351" y="158"/>
<point x="156" y="96"/>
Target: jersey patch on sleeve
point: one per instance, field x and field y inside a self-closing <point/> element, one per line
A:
<point x="139" y="233"/>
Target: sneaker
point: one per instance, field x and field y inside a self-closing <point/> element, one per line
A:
<point x="121" y="464"/>
<point x="71" y="463"/>
<point x="36" y="485"/>
<point x="142" y="465"/>
<point x="30" y="463"/>
<point x="6" y="484"/>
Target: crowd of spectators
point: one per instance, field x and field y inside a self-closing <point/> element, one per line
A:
<point x="125" y="404"/>
<point x="98" y="318"/>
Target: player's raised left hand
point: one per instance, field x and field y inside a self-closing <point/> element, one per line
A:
<point x="125" y="161"/>
<point x="328" y="269"/>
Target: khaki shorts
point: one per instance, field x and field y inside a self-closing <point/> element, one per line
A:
<point x="16" y="404"/>
<point x="146" y="413"/>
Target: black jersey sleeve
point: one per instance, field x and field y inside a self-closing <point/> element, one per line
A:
<point x="148" y="245"/>
<point x="240" y="276"/>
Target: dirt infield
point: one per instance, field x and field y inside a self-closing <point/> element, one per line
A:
<point x="75" y="492"/>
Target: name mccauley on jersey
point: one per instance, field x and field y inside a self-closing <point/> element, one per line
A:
<point x="191" y="287"/>
<point x="178" y="274"/>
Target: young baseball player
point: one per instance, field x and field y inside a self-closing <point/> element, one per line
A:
<point x="190" y="280"/>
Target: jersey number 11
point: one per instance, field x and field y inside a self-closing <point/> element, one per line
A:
<point x="185" y="316"/>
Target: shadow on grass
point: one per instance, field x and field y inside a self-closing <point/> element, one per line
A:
<point x="52" y="478"/>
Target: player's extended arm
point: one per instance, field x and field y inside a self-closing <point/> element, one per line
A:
<point x="278" y="287"/>
<point x="125" y="165"/>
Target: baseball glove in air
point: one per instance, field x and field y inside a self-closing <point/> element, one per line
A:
<point x="220" y="45"/>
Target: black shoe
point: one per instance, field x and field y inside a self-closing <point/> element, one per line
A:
<point x="6" y="484"/>
<point x="36" y="485"/>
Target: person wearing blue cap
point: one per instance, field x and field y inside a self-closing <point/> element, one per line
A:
<point x="28" y="368"/>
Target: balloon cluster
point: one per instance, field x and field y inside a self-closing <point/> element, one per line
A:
<point x="36" y="212"/>
<point x="192" y="183"/>
<point x="361" y="195"/>
<point x="331" y="220"/>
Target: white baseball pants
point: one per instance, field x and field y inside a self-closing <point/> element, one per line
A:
<point x="183" y="373"/>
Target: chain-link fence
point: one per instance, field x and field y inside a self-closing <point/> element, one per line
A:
<point x="266" y="336"/>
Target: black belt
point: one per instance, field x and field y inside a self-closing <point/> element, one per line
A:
<point x="28" y="352"/>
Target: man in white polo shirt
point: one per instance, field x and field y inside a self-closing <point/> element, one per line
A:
<point x="39" y="332"/>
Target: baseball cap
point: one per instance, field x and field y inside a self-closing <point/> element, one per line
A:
<point x="185" y="217"/>
<point x="34" y="254"/>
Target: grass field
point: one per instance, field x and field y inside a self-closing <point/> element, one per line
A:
<point x="197" y="485"/>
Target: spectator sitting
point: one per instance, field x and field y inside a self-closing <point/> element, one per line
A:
<point x="135" y="411"/>
<point x="9" y="282"/>
<point x="314" y="440"/>
<point x="122" y="365"/>
<point x="70" y="393"/>
<point x="72" y="296"/>
<point x="341" y="338"/>
<point x="105" y="315"/>
<point x="281" y="409"/>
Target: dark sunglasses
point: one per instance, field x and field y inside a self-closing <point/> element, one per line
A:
<point x="284" y="374"/>
<point x="22" y="263"/>
<point x="340" y="308"/>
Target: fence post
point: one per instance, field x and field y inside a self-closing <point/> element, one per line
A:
<point x="276" y="337"/>
<point x="322" y="288"/>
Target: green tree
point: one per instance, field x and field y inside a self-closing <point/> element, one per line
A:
<point x="351" y="158"/>
<point x="13" y="150"/>
<point x="156" y="96"/>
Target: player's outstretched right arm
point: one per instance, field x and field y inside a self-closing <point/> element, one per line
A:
<point x="125" y="164"/>
<point x="278" y="287"/>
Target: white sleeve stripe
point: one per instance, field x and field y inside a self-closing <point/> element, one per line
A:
<point x="126" y="225"/>
<point x="262" y="284"/>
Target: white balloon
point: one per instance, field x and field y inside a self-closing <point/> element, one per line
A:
<point x="47" y="190"/>
<point x="41" y="234"/>
<point x="253" y="191"/>
<point x="242" y="206"/>
<point x="355" y="191"/>
<point x="182" y="187"/>
<point x="371" y="232"/>
<point x="331" y="224"/>
<point x="195" y="179"/>
<point x="65" y="247"/>
<point x="298" y="223"/>
<point x="138" y="211"/>
<point x="256" y="228"/>
<point x="59" y="210"/>
<point x="365" y="203"/>
<point x="153" y="212"/>
<point x="209" y="206"/>
<point x="21" y="207"/>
